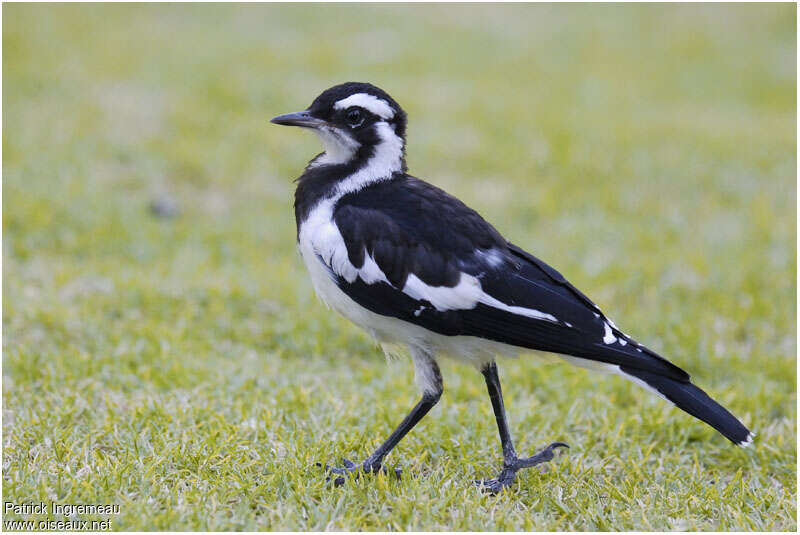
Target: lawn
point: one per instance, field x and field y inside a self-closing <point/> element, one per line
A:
<point x="182" y="367"/>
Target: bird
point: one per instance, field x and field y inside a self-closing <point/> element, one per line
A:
<point x="417" y="268"/>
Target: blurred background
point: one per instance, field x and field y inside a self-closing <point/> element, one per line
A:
<point x="159" y="330"/>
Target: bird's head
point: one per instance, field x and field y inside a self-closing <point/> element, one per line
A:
<point x="356" y="122"/>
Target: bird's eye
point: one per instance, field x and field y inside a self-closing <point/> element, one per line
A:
<point x="354" y="117"/>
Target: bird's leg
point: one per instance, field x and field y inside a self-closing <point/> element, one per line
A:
<point x="373" y="463"/>
<point x="511" y="463"/>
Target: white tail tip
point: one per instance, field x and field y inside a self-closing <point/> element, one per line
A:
<point x="746" y="443"/>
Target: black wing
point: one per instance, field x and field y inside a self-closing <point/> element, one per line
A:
<point x="427" y="244"/>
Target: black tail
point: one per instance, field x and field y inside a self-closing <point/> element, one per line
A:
<point x="693" y="400"/>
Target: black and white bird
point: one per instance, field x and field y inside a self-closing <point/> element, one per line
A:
<point x="413" y="265"/>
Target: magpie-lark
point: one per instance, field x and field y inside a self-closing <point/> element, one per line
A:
<point x="413" y="265"/>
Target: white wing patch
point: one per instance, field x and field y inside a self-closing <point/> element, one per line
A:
<point x="608" y="337"/>
<point x="371" y="103"/>
<point x="487" y="299"/>
<point x="492" y="257"/>
<point x="370" y="272"/>
<point x="464" y="295"/>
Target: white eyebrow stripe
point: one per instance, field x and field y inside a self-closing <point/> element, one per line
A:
<point x="371" y="103"/>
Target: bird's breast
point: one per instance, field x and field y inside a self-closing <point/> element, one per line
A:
<point x="322" y="248"/>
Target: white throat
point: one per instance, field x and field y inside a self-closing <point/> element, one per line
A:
<point x="339" y="146"/>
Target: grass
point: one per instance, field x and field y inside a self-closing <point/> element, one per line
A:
<point x="183" y="369"/>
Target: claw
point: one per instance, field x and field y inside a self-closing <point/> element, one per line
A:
<point x="353" y="469"/>
<point x="342" y="473"/>
<point x="510" y="468"/>
<point x="492" y="486"/>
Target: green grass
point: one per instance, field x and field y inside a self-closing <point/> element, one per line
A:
<point x="184" y="369"/>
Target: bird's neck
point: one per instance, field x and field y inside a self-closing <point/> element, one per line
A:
<point x="385" y="158"/>
<point x="323" y="180"/>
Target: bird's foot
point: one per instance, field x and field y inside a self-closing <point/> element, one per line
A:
<point x="510" y="468"/>
<point x="340" y="475"/>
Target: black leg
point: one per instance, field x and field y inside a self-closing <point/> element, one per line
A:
<point x="496" y="397"/>
<point x="374" y="462"/>
<point x="511" y="463"/>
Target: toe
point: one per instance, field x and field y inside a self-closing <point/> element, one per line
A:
<point x="335" y="469"/>
<point x="491" y="486"/>
<point x="494" y="486"/>
<point x="350" y="465"/>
